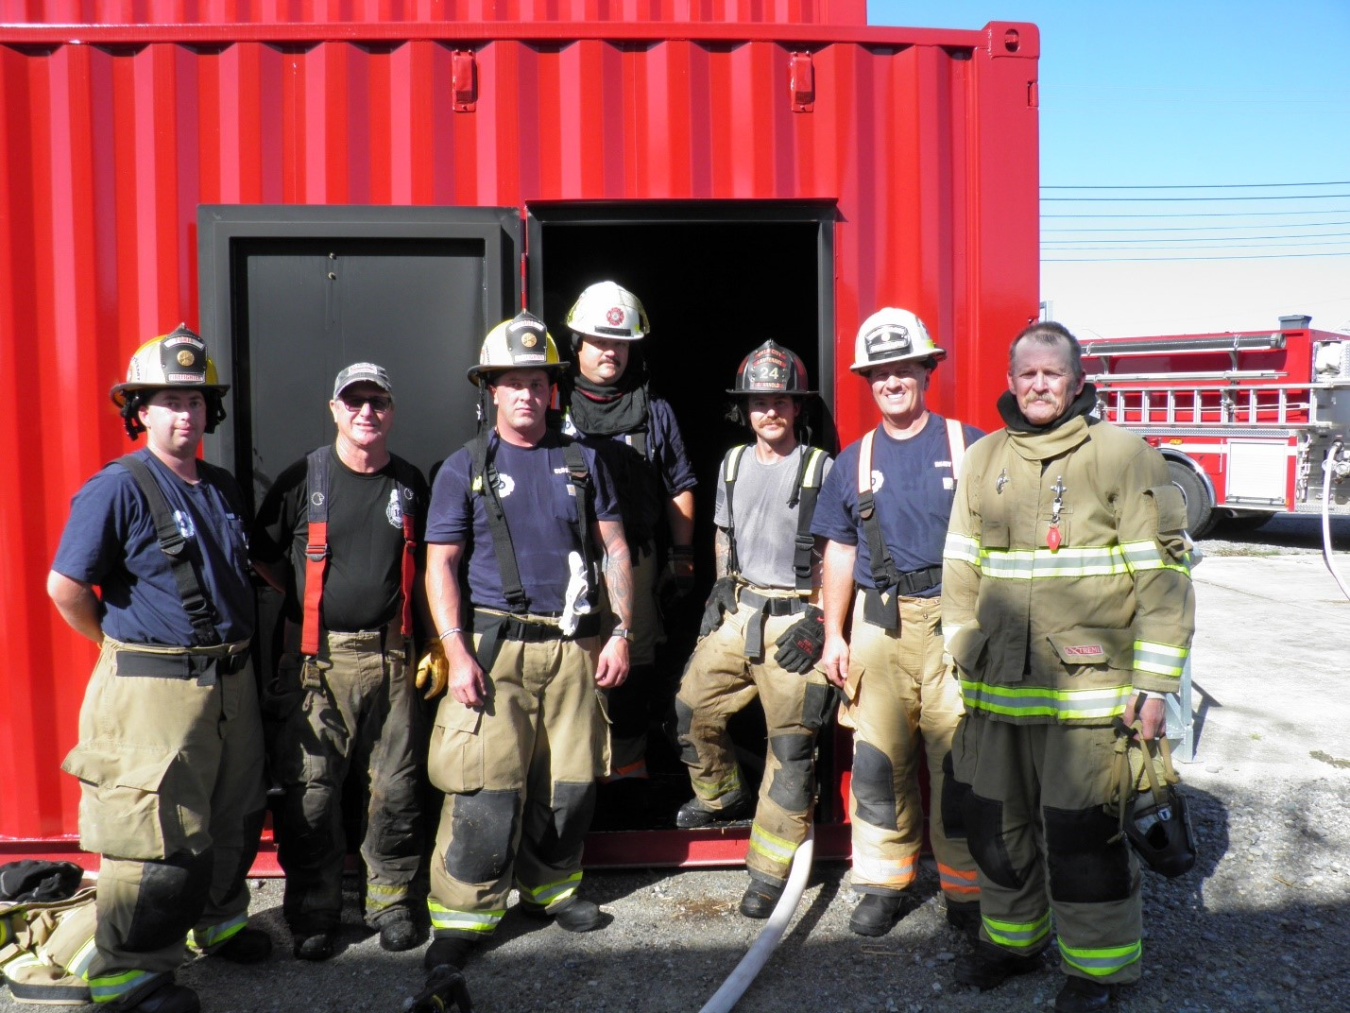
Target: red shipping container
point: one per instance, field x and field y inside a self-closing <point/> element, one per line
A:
<point x="906" y="157"/>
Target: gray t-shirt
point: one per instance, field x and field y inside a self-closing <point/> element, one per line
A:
<point x="766" y="528"/>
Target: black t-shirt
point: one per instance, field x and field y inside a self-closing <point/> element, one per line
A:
<point x="362" y="587"/>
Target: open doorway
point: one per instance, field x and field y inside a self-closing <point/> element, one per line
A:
<point x="716" y="280"/>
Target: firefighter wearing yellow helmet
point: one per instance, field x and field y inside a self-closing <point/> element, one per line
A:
<point x="169" y="756"/>
<point x="525" y="514"/>
<point x="606" y="399"/>
<point x="884" y="511"/>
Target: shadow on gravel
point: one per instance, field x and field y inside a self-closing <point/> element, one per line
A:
<point x="1293" y="531"/>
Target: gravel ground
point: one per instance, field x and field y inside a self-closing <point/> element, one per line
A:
<point x="1262" y="923"/>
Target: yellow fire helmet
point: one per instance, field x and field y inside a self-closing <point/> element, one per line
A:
<point x="177" y="359"/>
<point x="892" y="335"/>
<point x="523" y="342"/>
<point x="608" y="310"/>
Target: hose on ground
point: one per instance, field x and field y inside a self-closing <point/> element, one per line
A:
<point x="758" y="954"/>
<point x="1326" y="517"/>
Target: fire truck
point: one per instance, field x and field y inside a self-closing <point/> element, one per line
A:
<point x="1252" y="423"/>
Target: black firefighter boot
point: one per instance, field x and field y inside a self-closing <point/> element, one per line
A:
<point x="1079" y="995"/>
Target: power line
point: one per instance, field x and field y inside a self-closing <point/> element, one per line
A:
<point x="1199" y="228"/>
<point x="1159" y="260"/>
<point x="1204" y="214"/>
<point x="1150" y="200"/>
<point x="1191" y="186"/>
<point x="1234" y="241"/>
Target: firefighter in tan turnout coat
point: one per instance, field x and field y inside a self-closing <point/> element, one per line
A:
<point x="1067" y="604"/>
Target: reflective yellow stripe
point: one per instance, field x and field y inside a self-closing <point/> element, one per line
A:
<point x="463" y="921"/>
<point x="115" y="986"/>
<point x="896" y="873"/>
<point x="1036" y="564"/>
<point x="1101" y="962"/>
<point x="550" y="893"/>
<point x="217" y="934"/>
<point x="1042" y="702"/>
<point x="382" y="895"/>
<point x="1160" y="659"/>
<point x="710" y="790"/>
<point x="78" y="965"/>
<point x="776" y="849"/>
<point x="1017" y="935"/>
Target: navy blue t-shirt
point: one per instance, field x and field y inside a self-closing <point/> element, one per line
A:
<point x="644" y="486"/>
<point x="540" y="505"/>
<point x="914" y="489"/>
<point x="110" y="541"/>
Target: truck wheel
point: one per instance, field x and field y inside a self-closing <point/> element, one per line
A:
<point x="1199" y="507"/>
<point x="1243" y="523"/>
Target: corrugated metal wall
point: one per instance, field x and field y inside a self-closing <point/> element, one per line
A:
<point x="113" y="133"/>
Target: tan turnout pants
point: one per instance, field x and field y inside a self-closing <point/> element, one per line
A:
<point x="718" y="682"/>
<point x="171" y="795"/>
<point x="904" y="705"/>
<point x="519" y="777"/>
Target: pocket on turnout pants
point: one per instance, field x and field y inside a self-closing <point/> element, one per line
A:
<point x="122" y="812"/>
<point x="455" y="756"/>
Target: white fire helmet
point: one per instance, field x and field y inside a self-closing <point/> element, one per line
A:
<point x="608" y="310"/>
<point x="892" y="335"/>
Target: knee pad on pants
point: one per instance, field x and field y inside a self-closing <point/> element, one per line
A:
<point x="684" y="721"/>
<point x="983" y="819"/>
<point x="482" y="829"/>
<point x="573" y="808"/>
<point x="171" y="897"/>
<point x="791" y="787"/>
<point x="955" y="796"/>
<point x="874" y="786"/>
<point x="1085" y="866"/>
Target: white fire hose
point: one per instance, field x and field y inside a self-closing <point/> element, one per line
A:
<point x="1327" y="471"/>
<point x="762" y="948"/>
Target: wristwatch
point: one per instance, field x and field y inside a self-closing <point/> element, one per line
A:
<point x="622" y="631"/>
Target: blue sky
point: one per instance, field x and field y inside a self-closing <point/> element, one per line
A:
<point x="1203" y="94"/>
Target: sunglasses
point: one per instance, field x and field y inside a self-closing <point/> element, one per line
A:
<point x="378" y="403"/>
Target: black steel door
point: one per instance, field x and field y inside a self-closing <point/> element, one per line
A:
<point x="302" y="292"/>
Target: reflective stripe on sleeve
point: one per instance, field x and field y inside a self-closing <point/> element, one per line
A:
<point x="1159" y="659"/>
<point x="961" y="549"/>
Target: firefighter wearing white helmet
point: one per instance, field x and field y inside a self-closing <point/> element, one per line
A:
<point x="525" y="514"/>
<point x="884" y="511"/>
<point x="606" y="399"/>
<point x="172" y="705"/>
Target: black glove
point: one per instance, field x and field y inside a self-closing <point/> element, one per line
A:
<point x="722" y="598"/>
<point x="799" y="648"/>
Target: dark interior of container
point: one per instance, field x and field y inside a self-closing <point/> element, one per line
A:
<point x="713" y="291"/>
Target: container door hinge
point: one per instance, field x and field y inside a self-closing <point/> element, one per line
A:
<point x="464" y="80"/>
<point x="802" y="82"/>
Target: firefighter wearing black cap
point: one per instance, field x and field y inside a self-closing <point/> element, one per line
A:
<point x="761" y="635"/>
<point x="170" y="749"/>
<point x="526" y="514"/>
<point x="607" y="402"/>
<point x="337" y="534"/>
<point x="884" y="510"/>
<point x="1067" y="608"/>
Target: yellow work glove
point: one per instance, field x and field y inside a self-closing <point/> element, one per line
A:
<point x="433" y="668"/>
